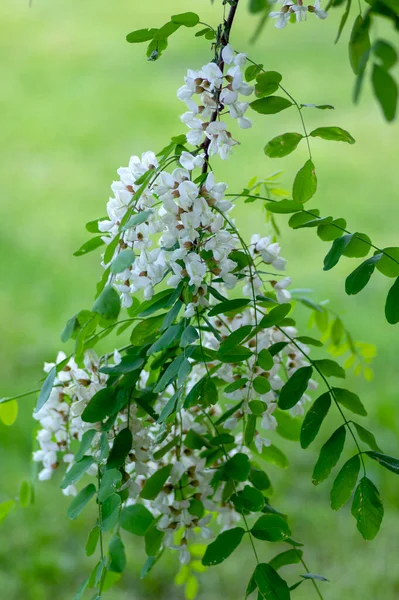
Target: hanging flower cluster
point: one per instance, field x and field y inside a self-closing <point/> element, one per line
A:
<point x="171" y="427"/>
<point x="215" y="92"/>
<point x="298" y="9"/>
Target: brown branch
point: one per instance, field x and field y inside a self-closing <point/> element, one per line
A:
<point x="224" y="40"/>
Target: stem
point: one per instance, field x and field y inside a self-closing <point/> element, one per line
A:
<point x="4" y="400"/>
<point x="221" y="445"/>
<point x="299" y="109"/>
<point x="330" y="389"/>
<point x="312" y="580"/>
<point x="100" y="525"/>
<point x="224" y="40"/>
<point x="318" y="217"/>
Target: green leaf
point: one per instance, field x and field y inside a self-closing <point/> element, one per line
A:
<point x="249" y="499"/>
<point x="314" y="419"/>
<point x="237" y="467"/>
<point x="331" y="231"/>
<point x="5" y="508"/>
<point x="128" y="364"/>
<point x="189" y="336"/>
<point x="261" y="385"/>
<point x="271" y="528"/>
<point x="26" y="494"/>
<point x="170" y="374"/>
<point x="282" y="145"/>
<point x="108" y="304"/>
<point x="329" y="455"/>
<point x="166" y="340"/>
<point x="9" y="412"/>
<point x="319" y="106"/>
<point x="359" y="44"/>
<point x="283" y="207"/>
<point x="270" y="105"/>
<point x="392" y="304"/>
<point x="117" y="555"/>
<point x="153" y="540"/>
<point x="250" y="430"/>
<point x="235" y="338"/>
<point x="343" y="20"/>
<point x="188" y="19"/>
<point x="123" y="261"/>
<point x="386" y="91"/>
<point x="110" y="481"/>
<point x="237" y="354"/>
<point x="110" y="512"/>
<point x="80" y="501"/>
<point x="136" y="519"/>
<point x="101" y="405"/>
<point x="305" y="183"/>
<point x="110" y="251"/>
<point x="289" y="557"/>
<point x="358" y="247"/>
<point x="92" y="541"/>
<point x="270" y="585"/>
<point x="345" y="482"/>
<point x="330" y="368"/>
<point x="360" y="277"/>
<point x="224" y="545"/>
<point x="389" y="266"/>
<point x="386" y="53"/>
<point x="120" y="449"/>
<point x="253" y="70"/>
<point x="145" y="331"/>
<point x="274" y="455"/>
<point x="287" y="427"/>
<point x="275" y="316"/>
<point x="336" y="134"/>
<point x="293" y="390"/>
<point x="92" y="226"/>
<point x="46" y="389"/>
<point x="140" y="35"/>
<point x="390" y="463"/>
<point x="367" y="437"/>
<point x="209" y="393"/>
<point x="89" y="246"/>
<point x="259" y="479"/>
<point x="267" y="83"/>
<point x="137" y="219"/>
<point x="265" y="360"/>
<point x="155" y="483"/>
<point x="309" y="341"/>
<point x="367" y="509"/>
<point x="350" y="400"/>
<point x="77" y="471"/>
<point x="228" y="306"/>
<point x="336" y="251"/>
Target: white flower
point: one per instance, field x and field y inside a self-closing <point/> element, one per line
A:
<point x="319" y="12"/>
<point x="282" y="293"/>
<point x="282" y="18"/>
<point x="228" y="54"/>
<point x="300" y="11"/>
<point x="189" y="161"/>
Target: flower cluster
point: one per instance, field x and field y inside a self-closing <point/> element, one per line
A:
<point x="184" y="219"/>
<point x="188" y="499"/>
<point x="60" y="419"/>
<point x="298" y="9"/>
<point x="216" y="92"/>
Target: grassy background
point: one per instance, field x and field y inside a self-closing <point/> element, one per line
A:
<point x="75" y="102"/>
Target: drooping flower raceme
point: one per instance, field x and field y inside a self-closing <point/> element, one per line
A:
<point x="208" y="93"/>
<point x="298" y="9"/>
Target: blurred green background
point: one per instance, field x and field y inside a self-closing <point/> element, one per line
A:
<point x="75" y="102"/>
